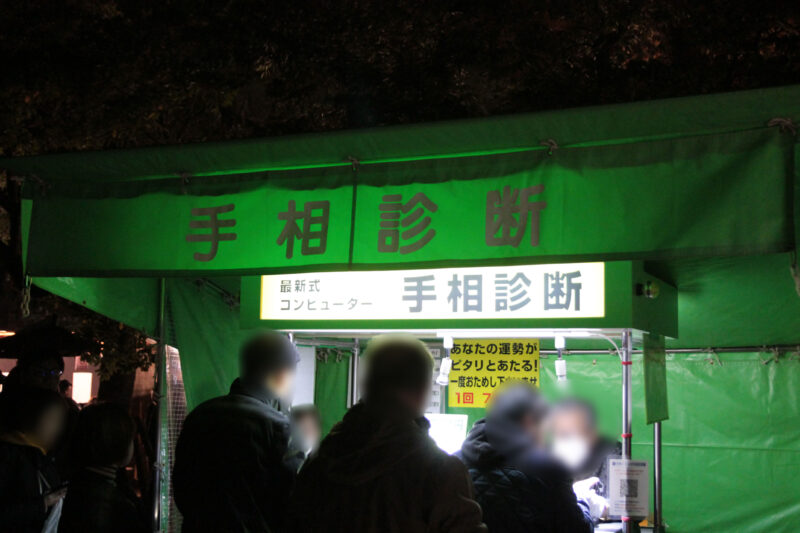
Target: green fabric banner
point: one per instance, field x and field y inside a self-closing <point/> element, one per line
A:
<point x="132" y="301"/>
<point x="206" y="332"/>
<point x="713" y="195"/>
<point x="330" y="386"/>
<point x="655" y="379"/>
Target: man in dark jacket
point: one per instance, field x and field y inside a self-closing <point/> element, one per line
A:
<point x="235" y="462"/>
<point x="378" y="470"/>
<point x="519" y="487"/>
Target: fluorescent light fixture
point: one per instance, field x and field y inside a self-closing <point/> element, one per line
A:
<point x="82" y="387"/>
<point x="447" y="342"/>
<point x="444" y="372"/>
<point x="561" y="369"/>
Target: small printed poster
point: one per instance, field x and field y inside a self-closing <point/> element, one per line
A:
<point x="629" y="487"/>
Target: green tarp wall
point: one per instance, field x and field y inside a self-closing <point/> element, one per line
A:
<point x="330" y="389"/>
<point x="731" y="448"/>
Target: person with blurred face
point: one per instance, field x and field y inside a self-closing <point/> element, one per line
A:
<point x="520" y="488"/>
<point x="99" y="499"/>
<point x="378" y="470"/>
<point x="577" y="443"/>
<point x="236" y="460"/>
<point x="43" y="370"/>
<point x="308" y="425"/>
<point x="30" y="490"/>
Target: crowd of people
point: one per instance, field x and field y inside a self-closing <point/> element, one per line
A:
<point x="246" y="463"/>
<point x="61" y="468"/>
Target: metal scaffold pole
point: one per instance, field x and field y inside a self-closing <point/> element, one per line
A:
<point x="159" y="397"/>
<point x="627" y="349"/>
<point x="658" y="512"/>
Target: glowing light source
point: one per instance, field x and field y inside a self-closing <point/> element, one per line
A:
<point x="82" y="387"/>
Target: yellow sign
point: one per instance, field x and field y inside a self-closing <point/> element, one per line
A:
<point x="482" y="365"/>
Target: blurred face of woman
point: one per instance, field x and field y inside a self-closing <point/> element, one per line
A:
<point x="50" y="425"/>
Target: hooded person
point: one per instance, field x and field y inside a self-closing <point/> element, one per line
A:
<point x="519" y="487"/>
<point x="236" y="460"/>
<point x="378" y="470"/>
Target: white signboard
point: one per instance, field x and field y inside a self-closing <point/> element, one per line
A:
<point x="574" y="290"/>
<point x="629" y="487"/>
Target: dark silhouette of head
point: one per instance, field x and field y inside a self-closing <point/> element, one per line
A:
<point x="269" y="360"/>
<point x="398" y="368"/>
<point x="103" y="436"/>
<point x="40" y="369"/>
<point x="517" y="409"/>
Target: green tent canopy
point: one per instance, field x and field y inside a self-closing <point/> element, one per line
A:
<point x="702" y="190"/>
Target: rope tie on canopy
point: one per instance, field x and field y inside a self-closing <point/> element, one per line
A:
<point x="784" y="124"/>
<point x="354" y="163"/>
<point x="550" y="144"/>
<point x="25" y="305"/>
<point x="184" y="177"/>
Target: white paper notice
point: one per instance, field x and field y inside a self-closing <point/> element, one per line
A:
<point x="448" y="431"/>
<point x="629" y="487"/>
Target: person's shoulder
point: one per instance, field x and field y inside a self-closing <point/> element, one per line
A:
<point x="441" y="461"/>
<point x="228" y="404"/>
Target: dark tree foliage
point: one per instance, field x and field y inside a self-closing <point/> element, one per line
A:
<point x="100" y="74"/>
<point x="94" y="74"/>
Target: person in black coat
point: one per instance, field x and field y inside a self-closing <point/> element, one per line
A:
<point x="236" y="461"/>
<point x="99" y="498"/>
<point x="378" y="471"/>
<point x="519" y="487"/>
<point x="30" y="488"/>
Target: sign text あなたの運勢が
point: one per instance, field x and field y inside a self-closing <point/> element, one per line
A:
<point x="480" y="366"/>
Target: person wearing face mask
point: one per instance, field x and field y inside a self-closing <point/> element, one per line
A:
<point x="577" y="443"/>
<point x="520" y="488"/>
